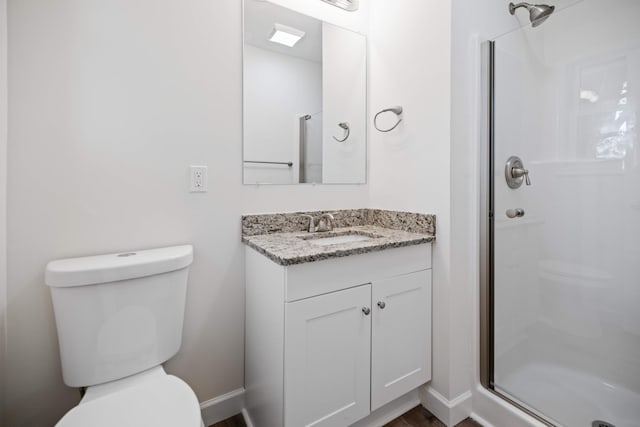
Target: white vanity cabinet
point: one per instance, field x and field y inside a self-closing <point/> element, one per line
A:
<point x="328" y="342"/>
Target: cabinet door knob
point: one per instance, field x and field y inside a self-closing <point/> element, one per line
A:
<point x="366" y="310"/>
<point x="381" y="304"/>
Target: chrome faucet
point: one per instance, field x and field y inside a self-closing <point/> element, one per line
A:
<point x="311" y="228"/>
<point x="325" y="223"/>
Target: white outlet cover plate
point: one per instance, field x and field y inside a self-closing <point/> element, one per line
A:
<point x="198" y="180"/>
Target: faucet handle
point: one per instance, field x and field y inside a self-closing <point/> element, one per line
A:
<point x="325" y="223"/>
<point x="515" y="172"/>
<point x="520" y="172"/>
<point x="311" y="228"/>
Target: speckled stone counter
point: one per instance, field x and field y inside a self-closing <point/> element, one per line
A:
<point x="281" y="237"/>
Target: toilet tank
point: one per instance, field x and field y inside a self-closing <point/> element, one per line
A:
<point x="118" y="314"/>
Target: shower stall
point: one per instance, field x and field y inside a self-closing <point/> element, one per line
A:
<point x="560" y="223"/>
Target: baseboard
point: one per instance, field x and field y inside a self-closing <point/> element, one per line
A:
<point x="247" y="418"/>
<point x="477" y="418"/>
<point x="230" y="404"/>
<point x="450" y="412"/>
<point x="390" y="411"/>
<point x="222" y="407"/>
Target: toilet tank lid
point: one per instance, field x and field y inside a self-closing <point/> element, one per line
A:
<point x="92" y="270"/>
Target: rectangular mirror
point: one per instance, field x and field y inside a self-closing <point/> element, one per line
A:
<point x="304" y="99"/>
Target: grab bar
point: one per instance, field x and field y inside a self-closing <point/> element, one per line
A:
<point x="270" y="163"/>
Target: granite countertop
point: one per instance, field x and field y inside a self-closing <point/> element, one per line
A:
<point x="280" y="237"/>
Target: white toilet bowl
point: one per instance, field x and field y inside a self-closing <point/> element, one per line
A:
<point x="151" y="398"/>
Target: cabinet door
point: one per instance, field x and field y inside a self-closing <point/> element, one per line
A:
<point x="327" y="359"/>
<point x="401" y="336"/>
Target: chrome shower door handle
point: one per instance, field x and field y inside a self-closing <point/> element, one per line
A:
<point x="515" y="213"/>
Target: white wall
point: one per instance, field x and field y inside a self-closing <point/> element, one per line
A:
<point x="3" y="197"/>
<point x="278" y="89"/>
<point x="111" y="101"/>
<point x="410" y="166"/>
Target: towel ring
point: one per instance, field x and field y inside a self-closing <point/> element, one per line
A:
<point x="347" y="131"/>
<point x="397" y="110"/>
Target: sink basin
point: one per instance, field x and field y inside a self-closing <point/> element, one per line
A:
<point x="336" y="240"/>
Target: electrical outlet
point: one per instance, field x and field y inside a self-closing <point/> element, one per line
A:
<point x="198" y="179"/>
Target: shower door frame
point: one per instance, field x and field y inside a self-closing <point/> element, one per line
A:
<point x="487" y="229"/>
<point x="486" y="217"/>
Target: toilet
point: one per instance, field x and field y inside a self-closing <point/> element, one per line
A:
<point x="119" y="318"/>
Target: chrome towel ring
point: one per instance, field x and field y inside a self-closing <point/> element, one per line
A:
<point x="347" y="131"/>
<point x="397" y="110"/>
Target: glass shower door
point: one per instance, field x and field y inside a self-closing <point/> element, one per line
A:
<point x="566" y="216"/>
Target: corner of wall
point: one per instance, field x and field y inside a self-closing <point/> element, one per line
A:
<point x="450" y="412"/>
<point x="3" y="198"/>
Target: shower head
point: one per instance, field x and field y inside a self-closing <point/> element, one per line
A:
<point x="538" y="13"/>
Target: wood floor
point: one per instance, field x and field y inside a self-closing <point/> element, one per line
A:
<point x="417" y="417"/>
<point x="235" y="421"/>
<point x="420" y="417"/>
